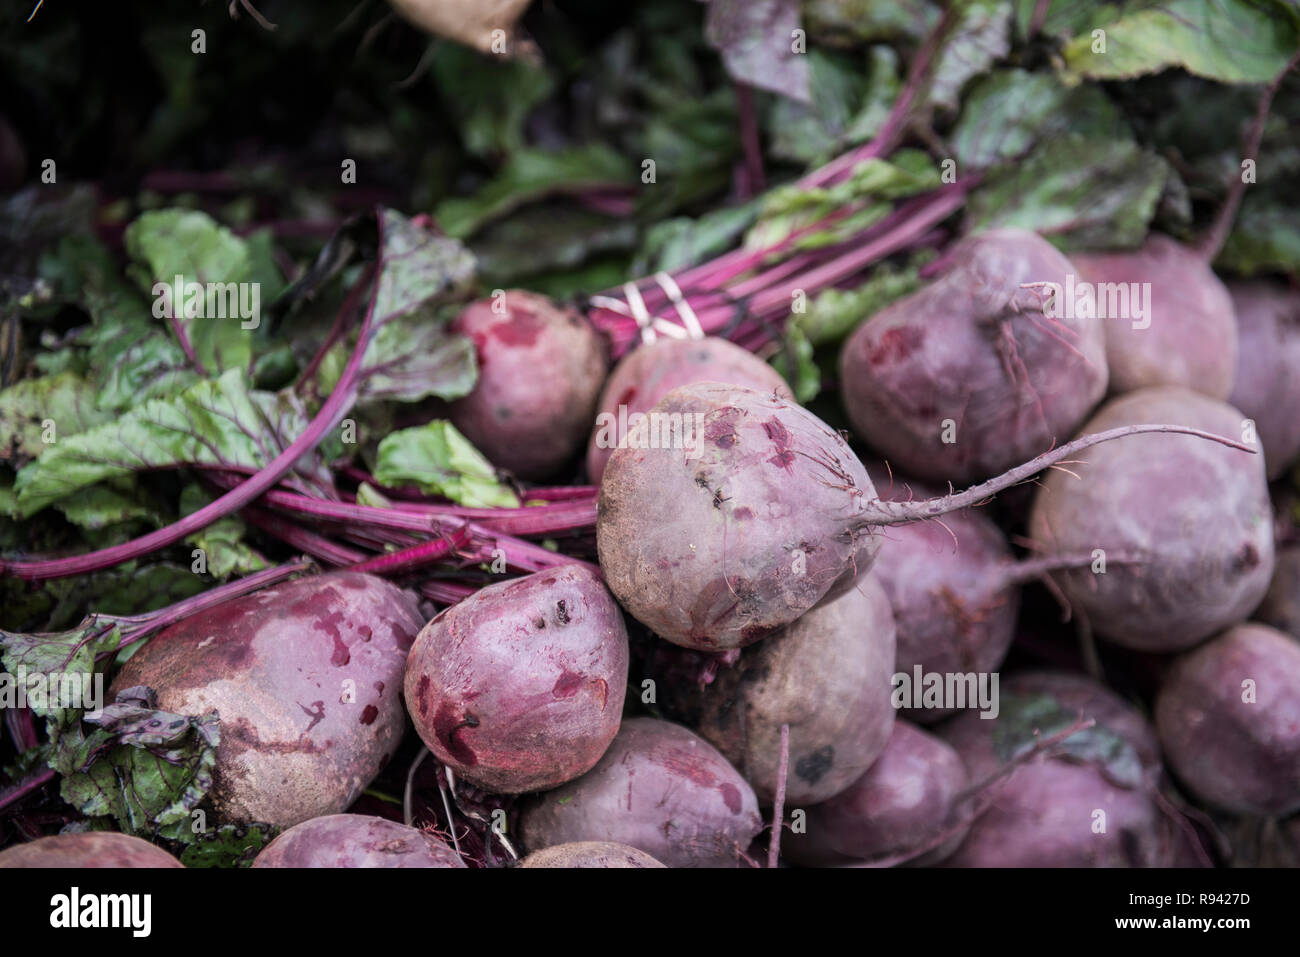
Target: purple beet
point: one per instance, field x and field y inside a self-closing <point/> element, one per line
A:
<point x="356" y="840"/>
<point x="1267" y="382"/>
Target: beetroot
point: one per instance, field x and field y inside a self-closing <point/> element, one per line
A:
<point x="1089" y="803"/>
<point x="718" y="545"/>
<point x="1188" y="336"/>
<point x="356" y="840"/>
<point x="658" y="788"/>
<point x="903" y="804"/>
<point x="1228" y="714"/>
<point x="520" y="686"/>
<point x="305" y="677"/>
<point x="650" y="372"/>
<point x="589" y="854"/>
<point x="827" y="676"/>
<point x="1195" y="515"/>
<point x="1267" y="382"/>
<point x="950" y="585"/>
<point x="975" y="347"/>
<point x="1281" y="605"/>
<point x="540" y="370"/>
<point x="87" y="849"/>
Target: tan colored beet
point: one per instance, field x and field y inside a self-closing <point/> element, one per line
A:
<point x="88" y="849"/>
<point x="520" y="686"/>
<point x="356" y="840"/>
<point x="306" y="677"/>
<point x="1192" y="337"/>
<point x="1195" y="515"/>
<point x="540" y="371"/>
<point x="649" y="372"/>
<point x="827" y="675"/>
<point x="589" y="854"/>
<point x="718" y="546"/>
<point x="1228" y="714"/>
<point x="659" y="788"/>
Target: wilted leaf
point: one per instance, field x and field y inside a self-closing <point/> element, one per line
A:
<point x="52" y="407"/>
<point x="755" y="38"/>
<point x="1025" y="720"/>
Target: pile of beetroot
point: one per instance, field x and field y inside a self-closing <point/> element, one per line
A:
<point x="724" y="686"/>
<point x="1039" y="605"/>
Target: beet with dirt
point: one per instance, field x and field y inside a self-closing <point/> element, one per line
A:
<point x="904" y="804"/>
<point x="1228" y="715"/>
<point x="520" y="686"/>
<point x="659" y="788"/>
<point x="541" y="368"/>
<point x="356" y="840"/>
<point x="1193" y="515"/>
<point x="589" y="854"/>
<point x="306" y="678"/>
<point x="1188" y="333"/>
<point x="1266" y="386"/>
<point x="968" y="376"/>
<point x="826" y="675"/>
<point x="651" y="371"/>
<point x="1089" y="802"/>
<point x="87" y="849"/>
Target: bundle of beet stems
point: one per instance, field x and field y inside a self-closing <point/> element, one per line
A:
<point x="443" y="549"/>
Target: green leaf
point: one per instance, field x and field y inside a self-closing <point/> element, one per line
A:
<point x="853" y="22"/>
<point x="218" y="318"/>
<point x="36" y="413"/>
<point x="438" y="460"/>
<point x="848" y="106"/>
<point x="230" y="845"/>
<point x="1007" y="113"/>
<point x="978" y="36"/>
<point x="546" y="237"/>
<point x="63" y="664"/>
<point x="489" y="96"/>
<point x="225" y="552"/>
<point x="218" y="422"/>
<point x="865" y="196"/>
<point x="676" y="243"/>
<point x="411" y="354"/>
<point x="1079" y="192"/>
<point x="1027" y="719"/>
<point x="144" y="767"/>
<point x="833" y="313"/>
<point x="101" y="506"/>
<point x="796" y="365"/>
<point x="755" y="40"/>
<point x="1265" y="237"/>
<point x="1231" y="41"/>
<point x="531" y="174"/>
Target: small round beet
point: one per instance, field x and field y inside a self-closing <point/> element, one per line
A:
<point x="540" y="370"/>
<point x="954" y="604"/>
<point x="589" y="854"/>
<point x="305" y="677"/>
<point x="1189" y="334"/>
<point x="1193" y="515"/>
<point x="1267" y="382"/>
<point x="649" y="372"/>
<point x="520" y="686"/>
<point x="659" y="788"/>
<point x="1228" y="714"/>
<point x="87" y="849"/>
<point x="902" y="803"/>
<point x="719" y="545"/>
<point x="356" y="840"/>
<point x="967" y="377"/>
<point x="827" y="675"/>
